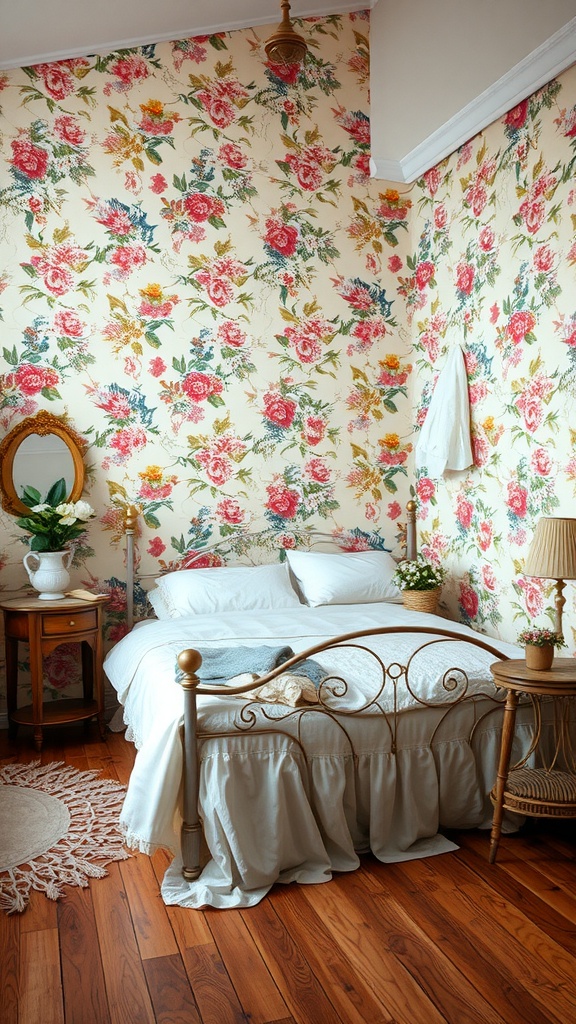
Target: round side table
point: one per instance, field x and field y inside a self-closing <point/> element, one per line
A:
<point x="546" y="792"/>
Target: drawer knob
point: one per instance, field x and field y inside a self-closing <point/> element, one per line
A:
<point x="71" y="623"/>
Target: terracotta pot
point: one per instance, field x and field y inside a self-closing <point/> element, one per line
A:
<point x="539" y="658"/>
<point x="421" y="600"/>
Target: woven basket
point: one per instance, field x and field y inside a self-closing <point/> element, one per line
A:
<point x="421" y="600"/>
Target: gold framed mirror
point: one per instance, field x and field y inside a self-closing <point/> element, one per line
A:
<point x="40" y="450"/>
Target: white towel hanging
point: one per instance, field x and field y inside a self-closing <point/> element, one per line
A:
<point x="444" y="442"/>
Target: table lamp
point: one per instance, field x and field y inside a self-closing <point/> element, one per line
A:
<point x="552" y="556"/>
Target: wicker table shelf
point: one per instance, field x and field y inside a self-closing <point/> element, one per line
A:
<point x="546" y="792"/>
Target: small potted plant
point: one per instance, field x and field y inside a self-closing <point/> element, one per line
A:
<point x="539" y="644"/>
<point x="420" y="582"/>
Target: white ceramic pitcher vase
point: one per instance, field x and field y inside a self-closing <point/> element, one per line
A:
<point x="48" y="573"/>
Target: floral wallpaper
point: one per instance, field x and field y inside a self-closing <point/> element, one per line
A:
<point x="199" y="275"/>
<point x="492" y="268"/>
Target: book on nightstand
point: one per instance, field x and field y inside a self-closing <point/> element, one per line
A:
<point x="84" y="595"/>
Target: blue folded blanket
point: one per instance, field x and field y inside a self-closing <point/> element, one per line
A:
<point x="219" y="664"/>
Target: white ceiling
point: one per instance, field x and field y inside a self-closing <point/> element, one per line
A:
<point x="444" y="69"/>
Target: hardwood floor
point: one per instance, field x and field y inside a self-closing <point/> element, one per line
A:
<point x="446" y="939"/>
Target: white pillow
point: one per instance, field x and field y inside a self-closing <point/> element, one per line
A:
<point x="206" y="591"/>
<point x="355" y="577"/>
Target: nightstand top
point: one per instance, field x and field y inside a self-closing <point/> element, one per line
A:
<point x="35" y="604"/>
<point x="515" y="675"/>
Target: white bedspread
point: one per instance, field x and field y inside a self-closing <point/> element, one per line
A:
<point x="271" y="814"/>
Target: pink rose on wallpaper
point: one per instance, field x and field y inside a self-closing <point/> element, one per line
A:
<point x="67" y="128"/>
<point x="468" y="600"/>
<point x="486" y="239"/>
<point x="199" y="386"/>
<point x="158" y="184"/>
<point x="280" y="236"/>
<point x="544" y="259"/>
<point x="31" y="379"/>
<point x="489" y="578"/>
<point x="389" y="458"/>
<point x="494" y="313"/>
<point x="29" y="159"/>
<point x="156" y="366"/>
<point x="199" y="207"/>
<point x="464" y="511"/>
<point x="68" y="323"/>
<point x="477" y="391"/>
<point x="394" y="510"/>
<point x="517" y="499"/>
<point x="356" y="295"/>
<point x="128" y="258"/>
<point x="62" y="666"/>
<point x="229" y="510"/>
<point x="287" y="541"/>
<point x="480" y="449"/>
<point x="231" y="155"/>
<point x="532" y="412"/>
<point x="128" y="441"/>
<point x="533" y="212"/>
<point x="230" y="333"/>
<point x="314" y="430"/>
<point x="208" y="560"/>
<point x="282" y="501"/>
<point x="58" y="81"/>
<point x="308" y="166"/>
<point x="132" y="68"/>
<point x="476" y="197"/>
<point x="426" y="489"/>
<point x="220" y="111"/>
<point x="278" y="410"/>
<point x="394" y="264"/>
<point x="114" y="404"/>
<point x="440" y="217"/>
<point x="370" y="330"/>
<point x="484" y="535"/>
<point x="465" y="277"/>
<point x="521" y="323"/>
<point x="218" y="288"/>
<point x="424" y="274"/>
<point x="433" y="180"/>
<point x="540" y="462"/>
<point x="217" y="466"/>
<point x="516" y="118"/>
<point x="287" y="73"/>
<point x="156" y="547"/>
<point x="317" y="470"/>
<point x="533" y="597"/>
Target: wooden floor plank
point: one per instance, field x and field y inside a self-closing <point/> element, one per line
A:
<point x="257" y="992"/>
<point x="9" y="961"/>
<point x="128" y="997"/>
<point x="308" y="924"/>
<point x="40" y="986"/>
<point x="170" y="991"/>
<point x="82" y="973"/>
<point x="211" y="986"/>
<point x="151" y="923"/>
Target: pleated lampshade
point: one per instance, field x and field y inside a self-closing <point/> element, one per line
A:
<point x="552" y="553"/>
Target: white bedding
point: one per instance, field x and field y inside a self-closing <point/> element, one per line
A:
<point x="270" y="813"/>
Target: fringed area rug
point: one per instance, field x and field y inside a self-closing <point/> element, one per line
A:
<point x="55" y="823"/>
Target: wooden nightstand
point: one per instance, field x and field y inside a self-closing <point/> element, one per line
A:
<point x="545" y="792"/>
<point x="44" y="625"/>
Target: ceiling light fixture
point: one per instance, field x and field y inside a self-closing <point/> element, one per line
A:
<point x="285" y="46"/>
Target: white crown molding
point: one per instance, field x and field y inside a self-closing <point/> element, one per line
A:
<point x="105" y="46"/>
<point x="537" y="69"/>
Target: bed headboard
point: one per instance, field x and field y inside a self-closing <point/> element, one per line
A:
<point x="241" y="544"/>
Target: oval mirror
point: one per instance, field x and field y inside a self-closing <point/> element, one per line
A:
<point x="37" y="452"/>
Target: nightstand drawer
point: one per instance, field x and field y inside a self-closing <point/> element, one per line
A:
<point x="69" y="622"/>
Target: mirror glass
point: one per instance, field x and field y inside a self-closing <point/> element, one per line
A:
<point x="37" y="452"/>
<point x="40" y="461"/>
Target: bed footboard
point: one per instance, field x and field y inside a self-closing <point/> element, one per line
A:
<point x="454" y="689"/>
